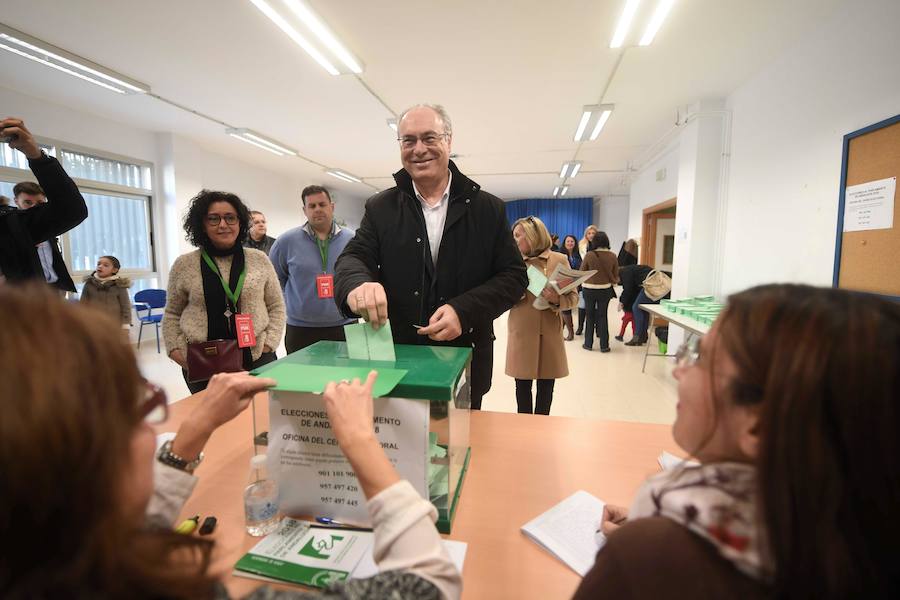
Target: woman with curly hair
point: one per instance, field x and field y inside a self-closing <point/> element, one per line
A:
<point x="789" y="404"/>
<point x="221" y="279"/>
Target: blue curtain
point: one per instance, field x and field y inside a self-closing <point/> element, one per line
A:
<point x="561" y="216"/>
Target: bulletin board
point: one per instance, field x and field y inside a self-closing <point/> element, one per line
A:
<point x="869" y="259"/>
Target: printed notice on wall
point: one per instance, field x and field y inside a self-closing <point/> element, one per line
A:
<point x="314" y="477"/>
<point x="870" y="205"/>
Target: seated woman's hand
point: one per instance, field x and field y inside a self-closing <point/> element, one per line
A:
<point x="349" y="407"/>
<point x="226" y="396"/>
<point x="614" y="516"/>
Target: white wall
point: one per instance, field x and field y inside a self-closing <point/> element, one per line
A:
<point x="788" y="125"/>
<point x="611" y="216"/>
<point x="647" y="191"/>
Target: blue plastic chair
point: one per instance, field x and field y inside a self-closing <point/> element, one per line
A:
<point x="148" y="300"/>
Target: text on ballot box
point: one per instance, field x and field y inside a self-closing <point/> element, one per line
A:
<point x="315" y="478"/>
<point x="421" y="419"/>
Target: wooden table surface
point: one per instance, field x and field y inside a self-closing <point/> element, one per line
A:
<point x="521" y="465"/>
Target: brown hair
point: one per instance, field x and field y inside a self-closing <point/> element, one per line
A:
<point x="823" y="367"/>
<point x="27" y="187"/>
<point x="313" y="189"/>
<point x="65" y="439"/>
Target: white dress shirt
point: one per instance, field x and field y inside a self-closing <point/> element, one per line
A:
<point x="435" y="217"/>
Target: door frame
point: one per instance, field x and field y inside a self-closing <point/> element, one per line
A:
<point x="648" y="229"/>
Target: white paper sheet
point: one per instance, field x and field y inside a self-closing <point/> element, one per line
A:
<point x="367" y="568"/>
<point x="569" y="530"/>
<point x="870" y="205"/>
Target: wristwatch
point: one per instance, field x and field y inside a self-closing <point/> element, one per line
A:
<point x="167" y="457"/>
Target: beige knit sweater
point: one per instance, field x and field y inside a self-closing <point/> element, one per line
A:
<point x="185" y="317"/>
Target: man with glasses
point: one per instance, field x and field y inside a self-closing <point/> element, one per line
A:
<point x="304" y="260"/>
<point x="434" y="253"/>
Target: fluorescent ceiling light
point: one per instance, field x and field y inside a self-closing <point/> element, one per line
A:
<point x="555" y="191"/>
<point x="562" y="172"/>
<point x="260" y="141"/>
<point x="49" y="55"/>
<point x="574" y="165"/>
<point x="624" y="23"/>
<point x="343" y="175"/>
<point x="392" y="123"/>
<point x="563" y="191"/>
<point x="656" y="21"/>
<point x="292" y="33"/>
<point x="575" y="170"/>
<point x="601" y="121"/>
<point x="324" y="34"/>
<point x="585" y="117"/>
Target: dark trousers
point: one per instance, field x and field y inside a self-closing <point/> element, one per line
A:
<point x="543" y="400"/>
<point x="297" y="338"/>
<point x="198" y="386"/>
<point x="596" y="303"/>
<point x="641" y="317"/>
<point x="481" y="371"/>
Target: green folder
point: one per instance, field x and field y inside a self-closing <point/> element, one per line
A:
<point x="537" y="281"/>
<point x="314" y="378"/>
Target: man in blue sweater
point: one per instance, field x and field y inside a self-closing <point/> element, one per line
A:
<point x="304" y="260"/>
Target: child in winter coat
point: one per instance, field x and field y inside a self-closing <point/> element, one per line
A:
<point x="106" y="290"/>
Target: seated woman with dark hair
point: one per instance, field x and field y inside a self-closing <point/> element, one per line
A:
<point x="86" y="510"/>
<point x="790" y="404"/>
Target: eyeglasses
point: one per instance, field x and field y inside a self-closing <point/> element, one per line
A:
<point x="230" y="218"/>
<point x="154" y="407"/>
<point x="429" y="139"/>
<point x="688" y="353"/>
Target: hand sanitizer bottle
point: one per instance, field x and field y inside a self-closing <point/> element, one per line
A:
<point x="261" y="499"/>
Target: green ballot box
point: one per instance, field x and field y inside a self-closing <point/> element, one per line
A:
<point x="421" y="418"/>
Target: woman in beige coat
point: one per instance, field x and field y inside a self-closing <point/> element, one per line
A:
<point x="534" y="348"/>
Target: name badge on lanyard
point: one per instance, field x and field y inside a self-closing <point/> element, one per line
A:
<point x="324" y="282"/>
<point x="246" y="337"/>
<point x="325" y="286"/>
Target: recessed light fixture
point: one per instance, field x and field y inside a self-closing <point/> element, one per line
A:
<point x="605" y="111"/>
<point x="570" y="169"/>
<point x="343" y="175"/>
<point x="49" y="55"/>
<point x="624" y="24"/>
<point x="556" y="191"/>
<point x="260" y="141"/>
<point x="656" y="21"/>
<point x="562" y="192"/>
<point x="600" y="112"/>
<point x="585" y="117"/>
<point x="309" y="18"/>
<point x="295" y="35"/>
<point x="392" y="123"/>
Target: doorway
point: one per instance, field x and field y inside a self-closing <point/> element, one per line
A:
<point x="658" y="235"/>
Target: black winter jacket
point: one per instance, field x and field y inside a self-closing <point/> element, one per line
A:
<point x="20" y="230"/>
<point x="480" y="272"/>
<point x="632" y="277"/>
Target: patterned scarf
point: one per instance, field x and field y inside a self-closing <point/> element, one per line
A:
<point x="717" y="501"/>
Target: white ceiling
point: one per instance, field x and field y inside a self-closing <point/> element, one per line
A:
<point x="513" y="75"/>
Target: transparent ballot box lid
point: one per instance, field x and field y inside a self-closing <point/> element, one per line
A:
<point x="421" y="418"/>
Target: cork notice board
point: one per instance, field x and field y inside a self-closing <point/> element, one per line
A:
<point x="869" y="260"/>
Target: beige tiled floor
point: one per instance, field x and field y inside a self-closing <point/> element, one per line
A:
<point x="599" y="386"/>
